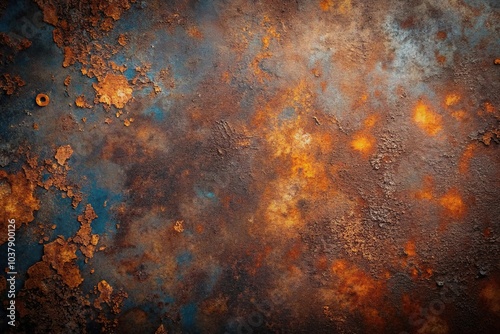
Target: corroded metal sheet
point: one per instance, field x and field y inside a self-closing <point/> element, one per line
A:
<point x="250" y="166"/>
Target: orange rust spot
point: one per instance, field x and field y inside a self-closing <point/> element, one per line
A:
<point x="427" y="189"/>
<point x="325" y="5"/>
<point x="362" y="143"/>
<point x="105" y="291"/>
<point x="122" y="39"/>
<point x="410" y="249"/>
<point x="195" y="33"/>
<point x="497" y="61"/>
<point x="434" y="325"/>
<point x="199" y="228"/>
<point x="426" y="119"/>
<point x="323" y="86"/>
<point x="459" y="115"/>
<point x="294" y="253"/>
<point x="226" y="77"/>
<point x="178" y="226"/>
<point x="452" y="99"/>
<point x="408" y="23"/>
<point x="441" y="35"/>
<point x="490" y="295"/>
<point x="17" y="201"/>
<point x="61" y="255"/>
<point x="440" y="58"/>
<point x="370" y="121"/>
<point x="63" y="153"/>
<point x="357" y="291"/>
<point x="452" y="202"/>
<point x="114" y="90"/>
<point x="489" y="107"/>
<point x="69" y="56"/>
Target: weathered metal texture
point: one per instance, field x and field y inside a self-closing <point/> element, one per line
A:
<point x="252" y="166"/>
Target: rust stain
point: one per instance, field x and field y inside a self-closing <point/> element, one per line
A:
<point x="426" y="192"/>
<point x="84" y="236"/>
<point x="490" y="296"/>
<point x="63" y="153"/>
<point x="453" y="203"/>
<point x="426" y="119"/>
<point x="114" y="90"/>
<point x="10" y="84"/>
<point x="18" y="201"/>
<point x="105" y="292"/>
<point x="61" y="255"/>
<point x="354" y="290"/>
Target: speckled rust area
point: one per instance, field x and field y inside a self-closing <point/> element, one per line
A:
<point x="251" y="166"/>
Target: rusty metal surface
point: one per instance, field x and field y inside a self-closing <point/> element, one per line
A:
<point x="251" y="166"/>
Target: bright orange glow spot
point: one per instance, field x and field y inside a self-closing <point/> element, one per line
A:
<point x="266" y="40"/>
<point x="451" y="99"/>
<point x="426" y="119"/>
<point x="410" y="248"/>
<point x="325" y="5"/>
<point x="453" y="203"/>
<point x="362" y="143"/>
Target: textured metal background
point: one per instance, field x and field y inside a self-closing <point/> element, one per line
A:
<point x="252" y="166"/>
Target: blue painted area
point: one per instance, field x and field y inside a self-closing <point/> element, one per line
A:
<point x="188" y="318"/>
<point x="129" y="73"/>
<point x="205" y="10"/>
<point x="105" y="220"/>
<point x="156" y="112"/>
<point x="204" y="193"/>
<point x="184" y="259"/>
<point x="65" y="218"/>
<point x="97" y="196"/>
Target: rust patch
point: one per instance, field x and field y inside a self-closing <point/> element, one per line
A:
<point x="10" y="84"/>
<point x="453" y="203"/>
<point x="426" y="119"/>
<point x="84" y="236"/>
<point x="60" y="254"/>
<point x="18" y="201"/>
<point x="114" y="90"/>
<point x="63" y="153"/>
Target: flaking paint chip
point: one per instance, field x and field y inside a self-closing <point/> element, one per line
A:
<point x="63" y="153"/>
<point x="178" y="226"/>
